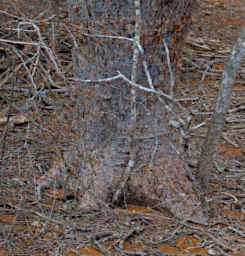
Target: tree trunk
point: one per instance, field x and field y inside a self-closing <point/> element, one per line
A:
<point x="98" y="56"/>
<point x="215" y="130"/>
<point x="104" y="39"/>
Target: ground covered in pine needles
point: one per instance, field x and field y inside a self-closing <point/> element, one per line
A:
<point x="31" y="136"/>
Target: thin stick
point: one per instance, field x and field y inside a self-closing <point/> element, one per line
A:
<point x="132" y="128"/>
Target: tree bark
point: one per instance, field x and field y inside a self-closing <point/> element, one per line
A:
<point x="125" y="128"/>
<point x="214" y="133"/>
<point x="104" y="46"/>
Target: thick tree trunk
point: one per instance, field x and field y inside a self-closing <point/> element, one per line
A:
<point x="99" y="56"/>
<point x="104" y="45"/>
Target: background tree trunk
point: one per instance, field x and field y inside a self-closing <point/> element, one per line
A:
<point x="215" y="130"/>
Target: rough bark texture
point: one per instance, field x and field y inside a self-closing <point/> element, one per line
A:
<point x="167" y="186"/>
<point x="164" y="185"/>
<point x="103" y="110"/>
<point x="106" y="106"/>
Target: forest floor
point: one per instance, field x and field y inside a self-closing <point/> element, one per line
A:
<point x="29" y="142"/>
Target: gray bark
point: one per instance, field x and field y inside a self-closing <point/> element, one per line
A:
<point x="125" y="129"/>
<point x="218" y="119"/>
<point x="107" y="111"/>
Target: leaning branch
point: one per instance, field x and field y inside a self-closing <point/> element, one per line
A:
<point x="217" y="123"/>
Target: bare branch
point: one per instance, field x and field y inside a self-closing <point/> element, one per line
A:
<point x="172" y="80"/>
<point x="217" y="123"/>
<point x="132" y="128"/>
